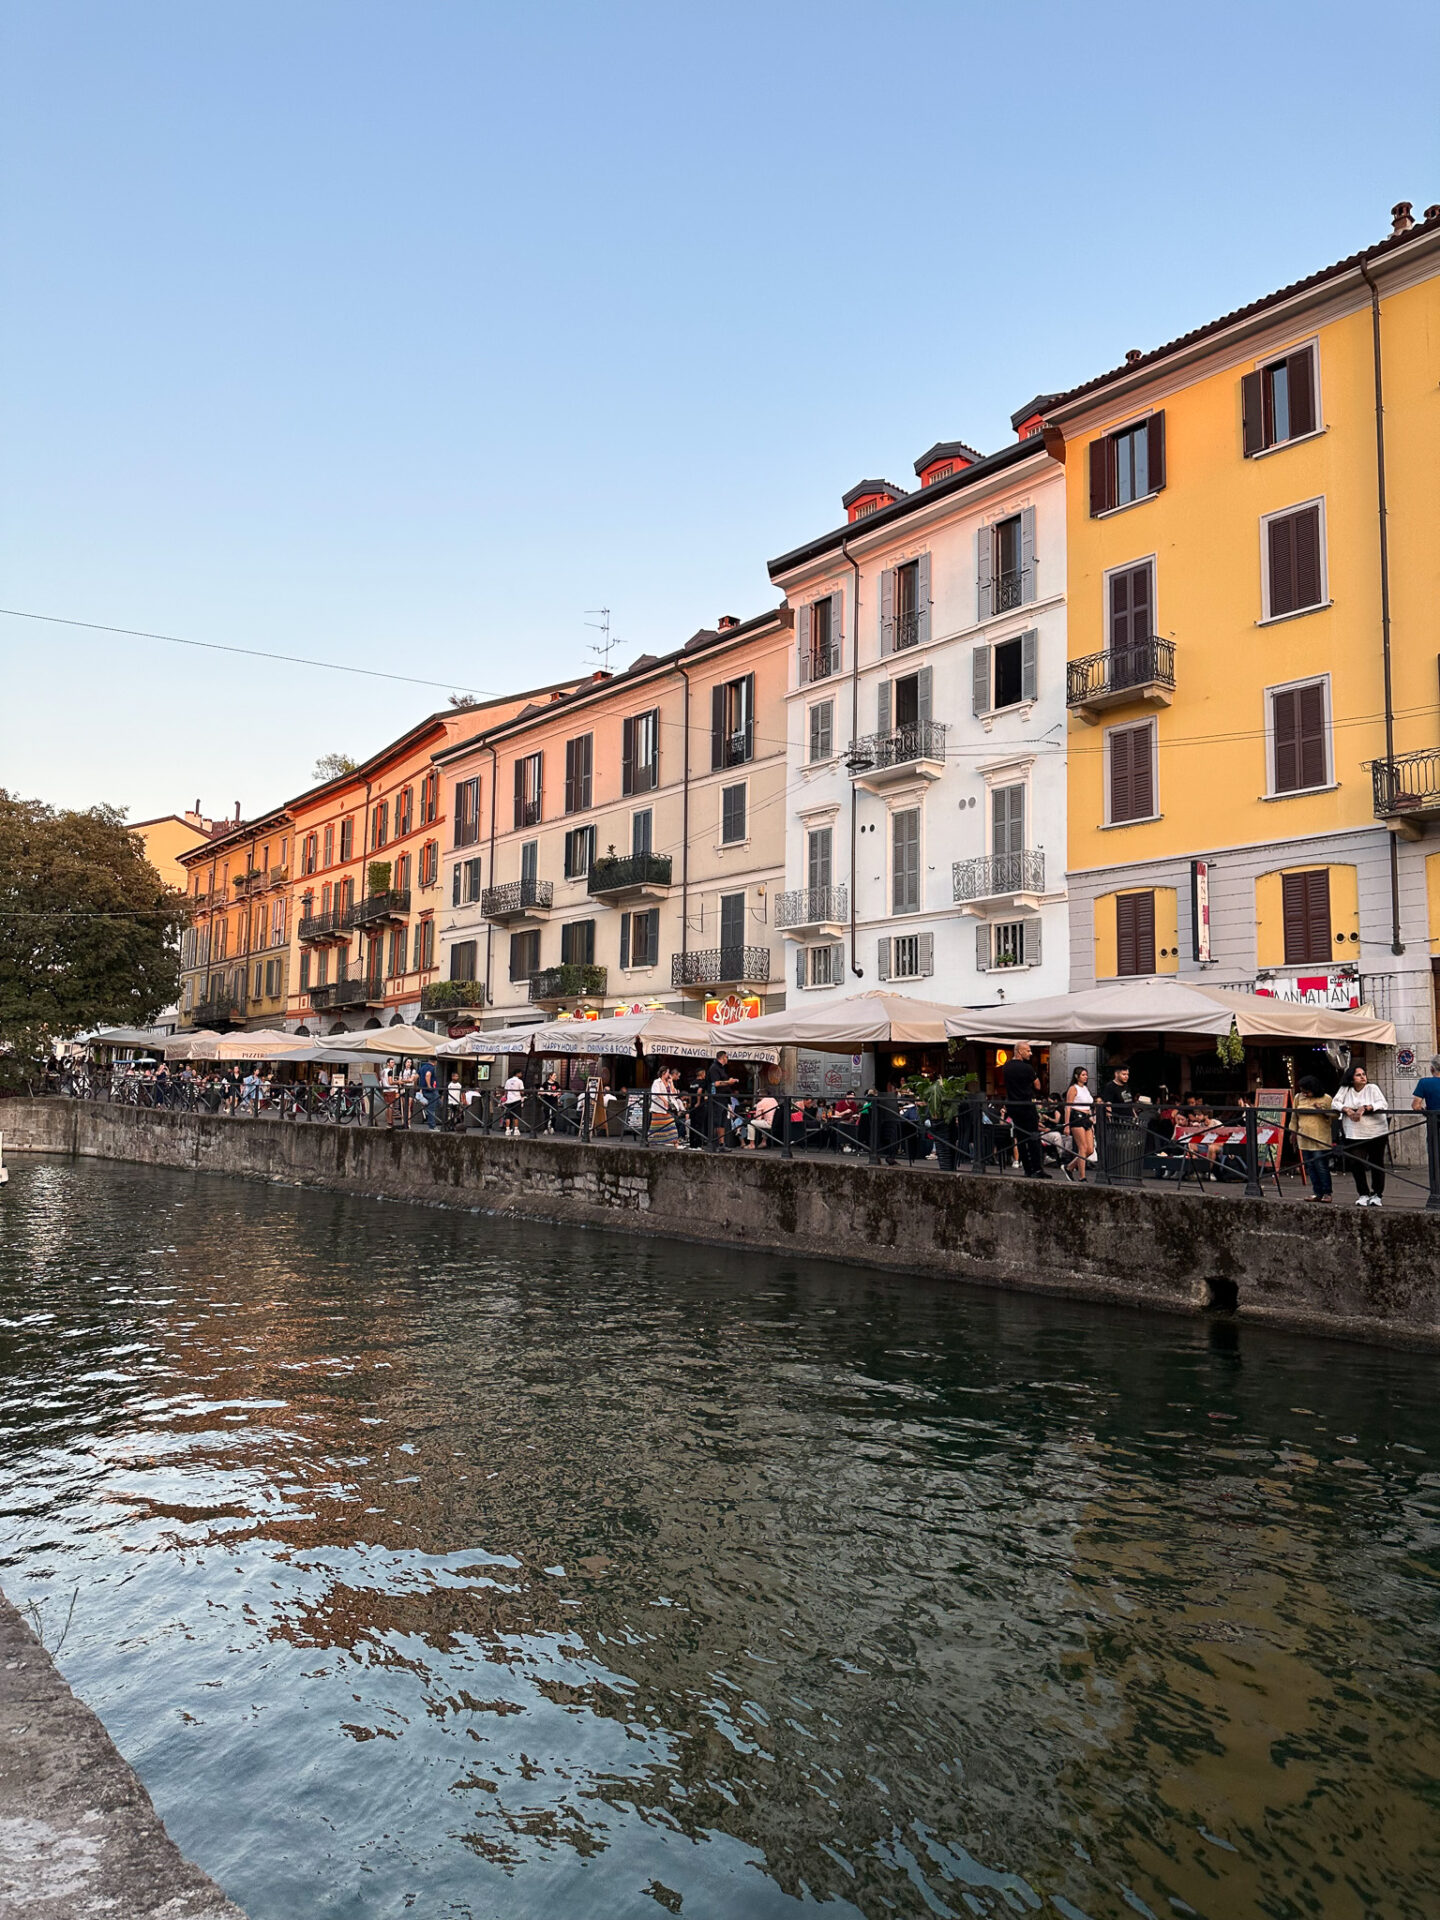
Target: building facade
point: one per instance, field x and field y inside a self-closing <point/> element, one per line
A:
<point x="234" y="954"/>
<point x="168" y="836"/>
<point x="622" y="844"/>
<point x="925" y="825"/>
<point x="1254" y="738"/>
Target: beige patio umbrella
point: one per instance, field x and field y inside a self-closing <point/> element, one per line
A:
<point x="418" y="1042"/>
<point x="656" y="1030"/>
<point x="488" y="1046"/>
<point x="265" y="1043"/>
<point x="199" y="1044"/>
<point x="878" y="1018"/>
<point x="1170" y="1007"/>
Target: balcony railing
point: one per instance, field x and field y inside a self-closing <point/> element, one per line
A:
<point x="720" y="967"/>
<point x="1408" y="784"/>
<point x="218" y="1010"/>
<point x="363" y="992"/>
<point x="925" y="740"/>
<point x="443" y="994"/>
<point x="320" y="926"/>
<point x="812" y="907"/>
<point x="516" y="897"/>
<point x="907" y="629"/>
<point x="1009" y="589"/>
<point x="376" y="907"/>
<point x="1105" y="679"/>
<point x="736" y="748"/>
<point x="571" y="981"/>
<point x="628" y="873"/>
<point x="1000" y="875"/>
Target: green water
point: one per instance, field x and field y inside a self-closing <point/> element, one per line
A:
<point x="430" y="1563"/>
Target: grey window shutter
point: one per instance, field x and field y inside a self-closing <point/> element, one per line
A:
<point x="985" y="572"/>
<point x="802" y="625"/>
<point x="837" y="963"/>
<point x="887" y="612"/>
<point x="982" y="947"/>
<point x="1032" y="953"/>
<point x="837" y="629"/>
<point x="927" y="954"/>
<point x="624" y="940"/>
<point x="980" y="678"/>
<point x="923" y="680"/>
<point x="1029" y="665"/>
<point x="883" y="967"/>
<point x="884" y="707"/>
<point x="717" y="727"/>
<point x="922" y="597"/>
<point x="800" y="966"/>
<point x="1027" y="555"/>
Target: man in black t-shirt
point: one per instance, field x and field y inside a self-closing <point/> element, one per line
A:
<point x="1116" y="1093"/>
<point x="717" y="1084"/>
<point x="1022" y="1083"/>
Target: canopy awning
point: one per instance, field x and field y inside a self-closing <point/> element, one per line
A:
<point x="418" y="1042"/>
<point x="657" y="1033"/>
<point x="1172" y="1007"/>
<point x="878" y="1018"/>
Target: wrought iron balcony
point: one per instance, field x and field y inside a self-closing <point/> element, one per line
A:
<point x="1001" y="876"/>
<point x="321" y="926"/>
<point x="736" y="748"/>
<point x="219" y="1010"/>
<point x="878" y="760"/>
<point x="570" y="981"/>
<point x="721" y="967"/>
<point x="441" y="995"/>
<point x="907" y="630"/>
<point x="1407" y="786"/>
<point x="1008" y="591"/>
<point x="1145" y="670"/>
<point x="639" y="874"/>
<point x="516" y="900"/>
<point x="807" y="907"/>
<point x="362" y="992"/>
<point x="375" y="908"/>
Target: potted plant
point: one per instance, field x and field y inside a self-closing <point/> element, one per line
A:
<point x="940" y="1100"/>
<point x="379" y="877"/>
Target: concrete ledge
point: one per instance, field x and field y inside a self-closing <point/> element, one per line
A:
<point x="1351" y="1271"/>
<point x="78" y="1834"/>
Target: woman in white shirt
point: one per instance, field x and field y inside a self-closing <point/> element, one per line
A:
<point x="664" y="1105"/>
<point x="1365" y="1119"/>
<point x="1080" y="1121"/>
<point x="514" y="1095"/>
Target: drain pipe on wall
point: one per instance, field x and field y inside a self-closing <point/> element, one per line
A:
<point x="845" y="554"/>
<point x="1396" y="944"/>
<point x="685" y="831"/>
<point x="489" y="928"/>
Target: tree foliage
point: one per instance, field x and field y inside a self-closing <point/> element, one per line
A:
<point x="331" y="765"/>
<point x="88" y="929"/>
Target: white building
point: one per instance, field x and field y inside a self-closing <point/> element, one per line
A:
<point x="925" y="842"/>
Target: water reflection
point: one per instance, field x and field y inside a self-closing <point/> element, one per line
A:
<point x="432" y="1562"/>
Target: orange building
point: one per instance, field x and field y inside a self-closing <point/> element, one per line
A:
<point x="234" y="954"/>
<point x="366" y="883"/>
<point x="169" y="835"/>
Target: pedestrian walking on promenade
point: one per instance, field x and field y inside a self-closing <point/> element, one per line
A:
<point x="665" y="1105"/>
<point x="1310" y="1118"/>
<point x="1080" y="1121"/>
<point x="428" y="1083"/>
<point x="1021" y="1086"/>
<point x="514" y="1098"/>
<point x="1426" y="1097"/>
<point x="1365" y="1118"/>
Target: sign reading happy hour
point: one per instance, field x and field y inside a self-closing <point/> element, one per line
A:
<point x="735" y="1006"/>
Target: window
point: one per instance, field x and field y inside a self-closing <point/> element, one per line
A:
<point x="467" y="812"/>
<point x="425" y="946"/>
<point x="462" y="960"/>
<point x="1294" y="569"/>
<point x="1005" y="563"/>
<point x="330" y="846"/>
<point x="277" y="924"/>
<point x="1132" y="597"/>
<point x="1134" y="933"/>
<point x="1006" y="674"/>
<point x="1132" y="773"/>
<point x="1007" y="943"/>
<point x="308" y="857"/>
<point x="818" y="640"/>
<point x="304" y="972"/>
<point x="732" y="924"/>
<point x="1305" y="904"/>
<point x="259" y="975"/>
<point x="380" y="825"/>
<point x="404" y="811"/>
<point x="402" y="874"/>
<point x="642" y="831"/>
<point x="467" y="882"/>
<point x="429" y="797"/>
<point x="1299" y="735"/>
<point x="529" y="782"/>
<point x="732" y="722"/>
<point x="903" y="706"/>
<point x="342" y="962"/>
<point x="820" y="966"/>
<point x="399" y="955"/>
<point x="524" y="954"/>
<point x="640" y="752"/>
<point x="1128" y="465"/>
<point x="818" y="844"/>
<point x="579" y="851"/>
<point x="905" y="861"/>
<point x="429" y="863"/>
<point x="1007" y="820"/>
<point x="577" y="944"/>
<point x="907" y="956"/>
<point x="822" y="731"/>
<point x="347" y="838"/>
<point x="640" y="938"/>
<point x="732" y="815"/>
<point x="1277" y="401"/>
<point x="529" y="868"/>
<point x="579" y="762"/>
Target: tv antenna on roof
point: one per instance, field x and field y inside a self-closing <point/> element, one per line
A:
<point x="608" y="642"/>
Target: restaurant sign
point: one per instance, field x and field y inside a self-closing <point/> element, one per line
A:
<point x="735" y="1006"/>
<point x="1341" y="990"/>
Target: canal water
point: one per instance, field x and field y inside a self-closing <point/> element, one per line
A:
<point x="422" y="1561"/>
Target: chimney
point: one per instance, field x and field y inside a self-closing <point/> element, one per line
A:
<point x="726" y="622"/>
<point x="1132" y="354"/>
<point x="237" y="813"/>
<point x="1432" y="213"/>
<point x="1400" y="217"/>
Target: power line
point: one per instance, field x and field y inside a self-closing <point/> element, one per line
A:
<point x="250" y="653"/>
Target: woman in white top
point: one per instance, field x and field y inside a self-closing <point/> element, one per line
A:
<point x="1080" y="1121"/>
<point x="1365" y="1120"/>
<point x="664" y="1105"/>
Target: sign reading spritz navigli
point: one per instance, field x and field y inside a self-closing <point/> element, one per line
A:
<point x="735" y="1006"/>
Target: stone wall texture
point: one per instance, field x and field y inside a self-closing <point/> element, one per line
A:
<point x="1351" y="1271"/>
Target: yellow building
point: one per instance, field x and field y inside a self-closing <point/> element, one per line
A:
<point x="234" y="954"/>
<point x="1254" y="622"/>
<point x="168" y="836"/>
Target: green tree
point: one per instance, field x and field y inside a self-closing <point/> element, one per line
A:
<point x="89" y="932"/>
<point x="331" y="765"/>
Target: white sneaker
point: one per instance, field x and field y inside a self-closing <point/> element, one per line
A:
<point x="1363" y="1201"/>
<point x="1375" y="1200"/>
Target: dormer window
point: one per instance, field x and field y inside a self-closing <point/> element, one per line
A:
<point x="938" y="473"/>
<point x="863" y="507"/>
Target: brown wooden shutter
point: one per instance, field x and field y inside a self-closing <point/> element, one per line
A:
<point x="1125" y="933"/>
<point x="1310" y="730"/>
<point x="1286" y="710"/>
<point x="1156" y="433"/>
<point x="1102" y="477"/>
<point x="1135" y="933"/>
<point x="1121" y="803"/>
<point x="1282" y="566"/>
<point x="1252" y="410"/>
<point x="1142" y="773"/>
<point x="1306" y="541"/>
<point x="1300" y="382"/>
<point x="572" y="788"/>
<point x="1305" y="901"/>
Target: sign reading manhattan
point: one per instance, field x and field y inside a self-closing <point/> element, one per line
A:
<point x="735" y="1006"/>
<point x="1315" y="989"/>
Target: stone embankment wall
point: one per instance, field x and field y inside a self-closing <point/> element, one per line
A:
<point x="1351" y="1271"/>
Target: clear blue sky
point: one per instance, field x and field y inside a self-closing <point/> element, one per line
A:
<point x="403" y="334"/>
